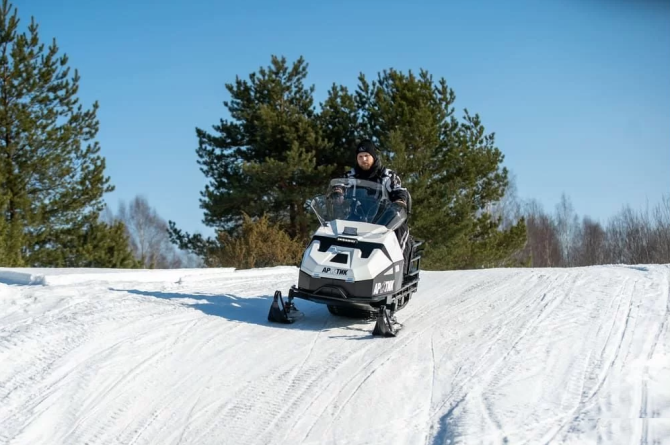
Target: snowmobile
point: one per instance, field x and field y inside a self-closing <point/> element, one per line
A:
<point x="354" y="263"/>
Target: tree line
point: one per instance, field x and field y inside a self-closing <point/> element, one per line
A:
<point x="276" y="149"/>
<point x="562" y="239"/>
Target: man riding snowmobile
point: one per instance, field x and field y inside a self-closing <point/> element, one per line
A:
<point x="369" y="167"/>
<point x="361" y="260"/>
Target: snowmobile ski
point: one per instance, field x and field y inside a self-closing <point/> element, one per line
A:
<point x="281" y="312"/>
<point x="386" y="325"/>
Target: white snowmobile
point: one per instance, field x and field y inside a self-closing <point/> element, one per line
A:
<point x="354" y="263"/>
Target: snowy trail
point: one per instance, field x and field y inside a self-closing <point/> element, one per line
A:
<point x="491" y="356"/>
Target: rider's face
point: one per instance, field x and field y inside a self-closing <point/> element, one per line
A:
<point x="365" y="160"/>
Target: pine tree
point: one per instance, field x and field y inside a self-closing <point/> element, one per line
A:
<point x="51" y="173"/>
<point x="451" y="168"/>
<point x="95" y="244"/>
<point x="340" y="123"/>
<point x="267" y="160"/>
<point x="4" y="235"/>
<point x="277" y="152"/>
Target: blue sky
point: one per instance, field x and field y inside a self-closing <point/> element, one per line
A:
<point x="577" y="92"/>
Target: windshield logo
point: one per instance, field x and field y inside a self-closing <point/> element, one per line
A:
<point x="347" y="240"/>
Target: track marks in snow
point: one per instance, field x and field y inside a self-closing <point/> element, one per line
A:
<point x="461" y="340"/>
<point x="601" y="345"/>
<point x="620" y="345"/>
<point x="646" y="409"/>
<point x="433" y="377"/>
<point x="102" y="357"/>
<point x="368" y="367"/>
<point x="517" y="355"/>
<point x="554" y="356"/>
<point x="504" y="353"/>
<point x="33" y="384"/>
<point x="274" y="395"/>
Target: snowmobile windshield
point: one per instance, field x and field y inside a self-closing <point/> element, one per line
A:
<point x="358" y="200"/>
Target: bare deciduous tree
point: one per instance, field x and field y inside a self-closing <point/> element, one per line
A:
<point x="543" y="246"/>
<point x="640" y="238"/>
<point x="148" y="235"/>
<point x="629" y="242"/>
<point x="509" y="206"/>
<point x="566" y="228"/>
<point x="662" y="234"/>
<point x="590" y="246"/>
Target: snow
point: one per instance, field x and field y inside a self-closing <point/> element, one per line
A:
<point x="49" y="276"/>
<point x="533" y="356"/>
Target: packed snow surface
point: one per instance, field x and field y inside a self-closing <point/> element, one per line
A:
<point x="512" y="356"/>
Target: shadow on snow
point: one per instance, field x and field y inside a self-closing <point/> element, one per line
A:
<point x="254" y="310"/>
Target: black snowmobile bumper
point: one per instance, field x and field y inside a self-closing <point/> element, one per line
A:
<point x="333" y="294"/>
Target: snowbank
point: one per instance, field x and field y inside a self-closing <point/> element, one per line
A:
<point x="63" y="276"/>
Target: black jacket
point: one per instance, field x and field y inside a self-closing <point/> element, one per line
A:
<point x="384" y="176"/>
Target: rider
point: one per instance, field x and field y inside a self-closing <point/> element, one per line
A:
<point x="369" y="167"/>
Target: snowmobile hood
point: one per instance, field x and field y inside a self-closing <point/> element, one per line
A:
<point x="356" y="228"/>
